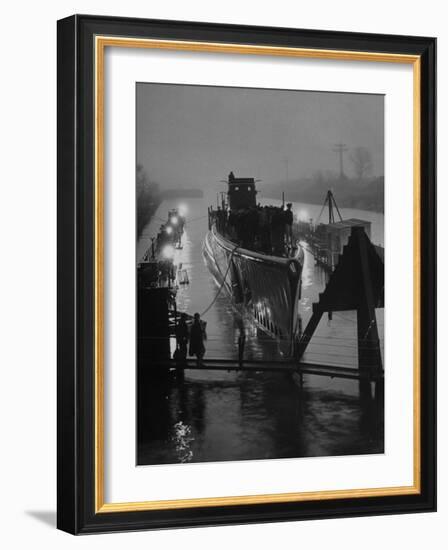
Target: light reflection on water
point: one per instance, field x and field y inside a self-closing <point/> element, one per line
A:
<point x="213" y="416"/>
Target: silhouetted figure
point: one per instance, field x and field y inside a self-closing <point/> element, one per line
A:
<point x="239" y="226"/>
<point x="197" y="337"/>
<point x="231" y="225"/>
<point x="252" y="226"/>
<point x="241" y="344"/>
<point x="265" y="230"/>
<point x="277" y="231"/>
<point x="182" y="337"/>
<point x="289" y="218"/>
<point x="221" y="220"/>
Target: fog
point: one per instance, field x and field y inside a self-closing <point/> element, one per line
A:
<point x="193" y="136"/>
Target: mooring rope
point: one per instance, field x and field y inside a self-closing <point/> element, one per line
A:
<point x="223" y="281"/>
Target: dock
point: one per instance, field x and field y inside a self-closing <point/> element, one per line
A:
<point x="289" y="367"/>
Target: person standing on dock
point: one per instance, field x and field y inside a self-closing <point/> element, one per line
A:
<point x="289" y="218"/>
<point x="182" y="337"/>
<point x="197" y="337"/>
<point x="241" y="344"/>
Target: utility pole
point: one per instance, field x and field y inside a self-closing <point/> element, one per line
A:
<point x="286" y="160"/>
<point x="341" y="148"/>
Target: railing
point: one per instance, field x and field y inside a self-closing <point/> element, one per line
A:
<point x="261" y="229"/>
<point x="341" y="353"/>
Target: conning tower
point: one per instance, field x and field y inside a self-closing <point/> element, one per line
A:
<point x="241" y="193"/>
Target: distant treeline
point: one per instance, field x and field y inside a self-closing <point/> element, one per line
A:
<point x="182" y="194"/>
<point x="366" y="194"/>
<point x="148" y="198"/>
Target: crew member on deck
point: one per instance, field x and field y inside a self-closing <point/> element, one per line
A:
<point x="289" y="218"/>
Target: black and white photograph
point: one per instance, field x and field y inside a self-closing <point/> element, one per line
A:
<point x="259" y="273"/>
<point x="220" y="275"/>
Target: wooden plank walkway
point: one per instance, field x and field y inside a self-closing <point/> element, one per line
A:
<point x="271" y="366"/>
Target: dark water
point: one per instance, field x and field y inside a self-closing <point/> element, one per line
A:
<point x="215" y="416"/>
